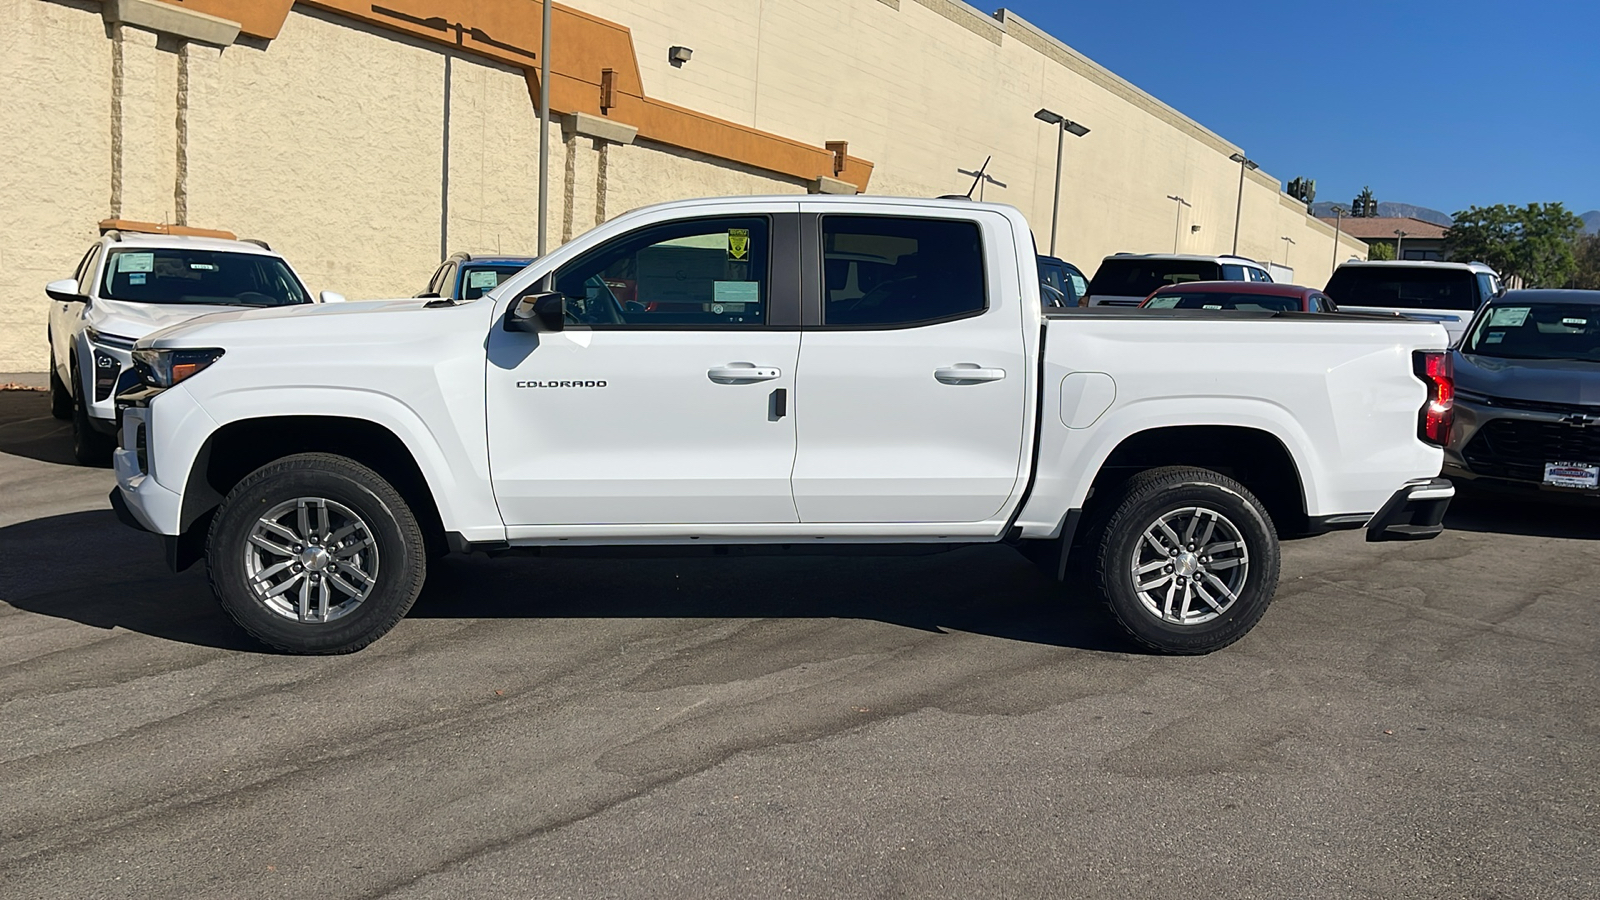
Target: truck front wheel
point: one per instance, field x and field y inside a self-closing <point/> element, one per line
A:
<point x="315" y="553"/>
<point x="1188" y="560"/>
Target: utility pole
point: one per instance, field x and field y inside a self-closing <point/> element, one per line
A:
<point x="1399" y="240"/>
<point x="1338" y="220"/>
<point x="1238" y="208"/>
<point x="544" y="130"/>
<point x="1177" y="220"/>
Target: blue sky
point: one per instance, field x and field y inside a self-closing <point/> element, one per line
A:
<point x="1441" y="104"/>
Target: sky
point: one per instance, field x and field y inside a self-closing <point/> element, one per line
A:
<point x="1439" y="104"/>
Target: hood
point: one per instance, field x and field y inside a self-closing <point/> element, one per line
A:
<point x="1536" y="380"/>
<point x="135" y="320"/>
<point x="229" y="320"/>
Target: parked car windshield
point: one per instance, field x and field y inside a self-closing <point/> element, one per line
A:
<point x="479" y="280"/>
<point x="1206" y="300"/>
<point x="1140" y="277"/>
<point x="202" y="277"/>
<point x="1400" y="287"/>
<point x="1537" y="331"/>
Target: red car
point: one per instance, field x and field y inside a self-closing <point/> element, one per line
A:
<point x="1253" y="296"/>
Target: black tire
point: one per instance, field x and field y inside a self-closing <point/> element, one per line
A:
<point x="399" y="566"/>
<point x="60" y="397"/>
<point x="1190" y="495"/>
<point x="89" y="447"/>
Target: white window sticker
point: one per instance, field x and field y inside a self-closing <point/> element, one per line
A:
<point x="1509" y="316"/>
<point x="1575" y="323"/>
<point x="736" y="291"/>
<point x="1212" y="306"/>
<point x="136" y="262"/>
<point x="1494" y="337"/>
<point x="483" y="278"/>
<point x="204" y="267"/>
<point x="136" y="278"/>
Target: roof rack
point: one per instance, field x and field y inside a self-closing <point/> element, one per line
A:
<point x="120" y="226"/>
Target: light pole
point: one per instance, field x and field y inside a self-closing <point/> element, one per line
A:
<point x="1064" y="126"/>
<point x="1399" y="239"/>
<point x="1238" y="208"/>
<point x="544" y="127"/>
<point x="1338" y="220"/>
<point x="1177" y="220"/>
<point x="1289" y="242"/>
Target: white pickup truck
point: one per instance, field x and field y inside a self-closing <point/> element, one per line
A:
<point x="775" y="372"/>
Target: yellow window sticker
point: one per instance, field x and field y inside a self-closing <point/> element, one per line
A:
<point x="738" y="243"/>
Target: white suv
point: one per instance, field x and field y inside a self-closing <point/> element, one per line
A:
<point x="1126" y="279"/>
<point x="129" y="285"/>
<point x="1445" y="292"/>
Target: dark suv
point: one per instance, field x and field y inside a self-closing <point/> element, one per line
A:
<point x="467" y="277"/>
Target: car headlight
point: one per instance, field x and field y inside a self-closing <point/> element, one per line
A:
<point x="165" y="368"/>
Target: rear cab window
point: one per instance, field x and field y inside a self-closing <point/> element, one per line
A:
<point x="1401" y="287"/>
<point x="895" y="271"/>
<point x="1141" y="277"/>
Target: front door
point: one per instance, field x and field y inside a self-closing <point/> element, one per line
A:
<point x="913" y="387"/>
<point x="665" y="399"/>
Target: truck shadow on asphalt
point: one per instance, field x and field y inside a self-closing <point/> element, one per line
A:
<point x="1535" y="515"/>
<point x="978" y="590"/>
<point x="27" y="429"/>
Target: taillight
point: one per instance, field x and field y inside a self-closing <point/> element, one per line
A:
<point x="1438" y="373"/>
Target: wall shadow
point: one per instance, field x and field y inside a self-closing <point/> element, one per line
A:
<point x="980" y="590"/>
<point x="1524" y="513"/>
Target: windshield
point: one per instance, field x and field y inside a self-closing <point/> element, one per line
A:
<point x="1139" y="277"/>
<point x="202" y="277"/>
<point x="1205" y="300"/>
<point x="1398" y="287"/>
<point x="479" y="280"/>
<point x="1537" y="331"/>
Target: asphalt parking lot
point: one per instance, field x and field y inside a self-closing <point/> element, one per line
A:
<point x="1408" y="721"/>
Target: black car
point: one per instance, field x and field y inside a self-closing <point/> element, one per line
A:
<point x="1060" y="281"/>
<point x="1527" y="401"/>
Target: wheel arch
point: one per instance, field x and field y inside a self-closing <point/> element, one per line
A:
<point x="1268" y="469"/>
<point x="241" y="446"/>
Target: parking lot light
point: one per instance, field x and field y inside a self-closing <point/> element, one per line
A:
<point x="1064" y="126"/>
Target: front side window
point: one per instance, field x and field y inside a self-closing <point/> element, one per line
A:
<point x="886" y="271"/>
<point x="85" y="272"/>
<point x="1537" y="331"/>
<point x="200" y="277"/>
<point x="697" y="273"/>
<point x="1488" y="286"/>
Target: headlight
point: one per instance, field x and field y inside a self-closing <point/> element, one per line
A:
<point x="165" y="368"/>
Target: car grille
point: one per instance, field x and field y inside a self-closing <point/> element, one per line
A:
<point x="1517" y="448"/>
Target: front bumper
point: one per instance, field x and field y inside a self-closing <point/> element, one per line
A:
<point x="1507" y="444"/>
<point x="1414" y="513"/>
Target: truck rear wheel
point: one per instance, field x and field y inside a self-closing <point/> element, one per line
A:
<point x="1188" y="560"/>
<point x="315" y="554"/>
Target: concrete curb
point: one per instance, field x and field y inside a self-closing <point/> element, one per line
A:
<point x="24" y="381"/>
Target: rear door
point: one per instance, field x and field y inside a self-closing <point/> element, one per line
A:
<point x="912" y="389"/>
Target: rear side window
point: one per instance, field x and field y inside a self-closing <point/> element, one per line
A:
<point x="1259" y="275"/>
<point x="1218" y="300"/>
<point x="1140" y="277"/>
<point x="1399" y="287"/>
<point x="879" y="270"/>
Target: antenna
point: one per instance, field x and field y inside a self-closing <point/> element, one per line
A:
<point x="978" y="175"/>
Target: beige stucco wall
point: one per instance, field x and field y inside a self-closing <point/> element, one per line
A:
<point x="330" y="141"/>
<point x="55" y="159"/>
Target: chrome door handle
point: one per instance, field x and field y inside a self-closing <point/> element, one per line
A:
<point x="741" y="373"/>
<point x="967" y="373"/>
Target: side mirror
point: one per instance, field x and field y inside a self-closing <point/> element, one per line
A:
<point x="330" y="297"/>
<point x="528" y="313"/>
<point x="65" y="291"/>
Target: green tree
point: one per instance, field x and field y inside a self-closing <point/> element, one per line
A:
<point x="1586" y="252"/>
<point x="1380" y="251"/>
<point x="1364" y="206"/>
<point x="1533" y="242"/>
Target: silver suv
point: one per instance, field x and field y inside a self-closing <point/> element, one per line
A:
<point x="1126" y="279"/>
<point x="1445" y="292"/>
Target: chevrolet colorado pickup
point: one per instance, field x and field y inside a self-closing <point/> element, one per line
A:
<point x="767" y="373"/>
